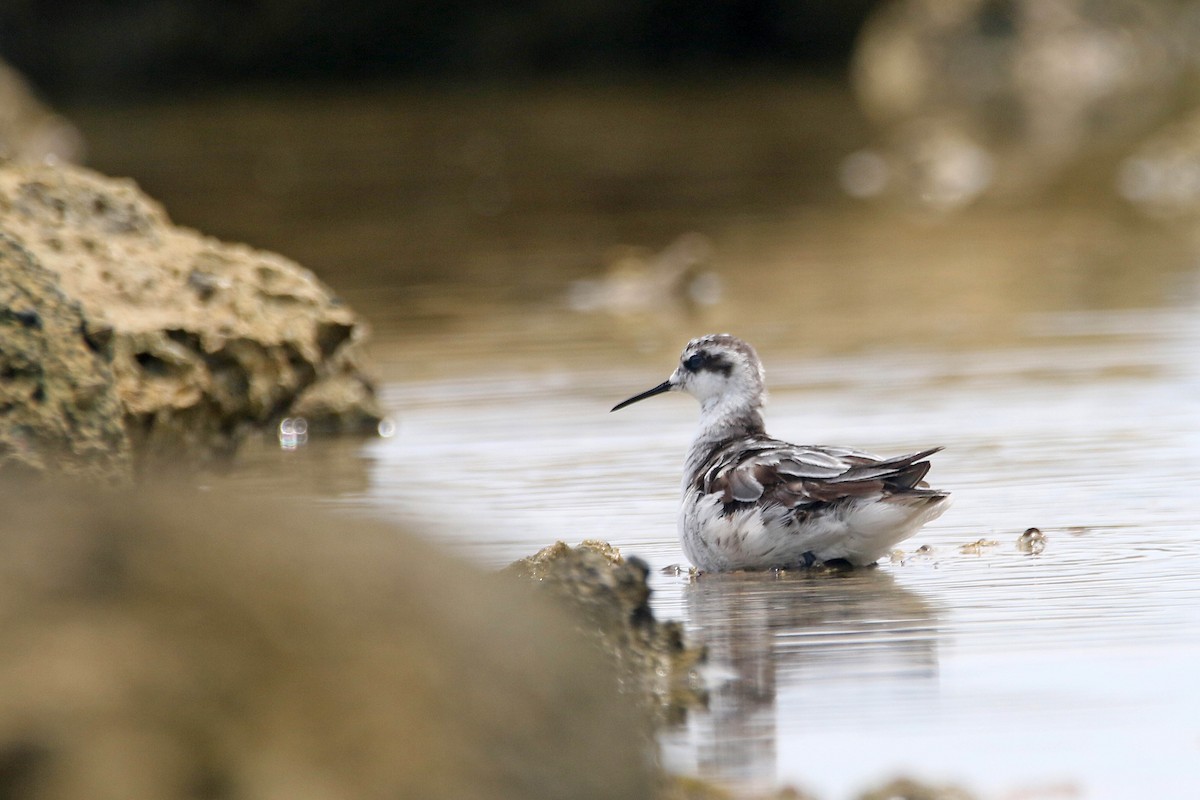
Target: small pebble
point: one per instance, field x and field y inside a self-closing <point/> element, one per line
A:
<point x="1031" y="541"/>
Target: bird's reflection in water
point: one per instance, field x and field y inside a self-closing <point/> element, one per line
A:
<point x="789" y="650"/>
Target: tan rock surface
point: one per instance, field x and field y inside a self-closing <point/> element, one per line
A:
<point x="610" y="597"/>
<point x="59" y="409"/>
<point x="208" y="339"/>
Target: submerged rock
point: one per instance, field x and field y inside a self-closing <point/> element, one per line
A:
<point x="910" y="789"/>
<point x="158" y="645"/>
<point x="207" y="340"/>
<point x="977" y="547"/>
<point x="59" y="410"/>
<point x="611" y="596"/>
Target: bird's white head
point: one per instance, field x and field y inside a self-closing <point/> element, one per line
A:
<point x="725" y="375"/>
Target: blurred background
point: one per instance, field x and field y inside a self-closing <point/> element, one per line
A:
<point x="657" y="168"/>
<point x="962" y="222"/>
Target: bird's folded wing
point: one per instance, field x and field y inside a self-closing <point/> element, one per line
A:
<point x="794" y="476"/>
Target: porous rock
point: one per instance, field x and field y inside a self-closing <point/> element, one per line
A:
<point x="171" y="644"/>
<point x="610" y="597"/>
<point x="208" y="340"/>
<point x="59" y="410"/>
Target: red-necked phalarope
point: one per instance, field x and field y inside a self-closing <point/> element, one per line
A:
<point x="753" y="502"/>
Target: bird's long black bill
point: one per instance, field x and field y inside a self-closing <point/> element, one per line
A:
<point x="665" y="386"/>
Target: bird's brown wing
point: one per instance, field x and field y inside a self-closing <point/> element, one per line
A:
<point x="796" y="476"/>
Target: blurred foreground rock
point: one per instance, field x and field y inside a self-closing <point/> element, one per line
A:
<point x="611" y="597"/>
<point x="686" y="788"/>
<point x="207" y="340"/>
<point x="166" y="645"/>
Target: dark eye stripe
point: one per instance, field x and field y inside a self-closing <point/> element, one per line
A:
<point x="708" y="361"/>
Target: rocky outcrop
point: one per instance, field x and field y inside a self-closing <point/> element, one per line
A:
<point x="59" y="409"/>
<point x="610" y="597"/>
<point x="207" y="340"/>
<point x="182" y="645"/>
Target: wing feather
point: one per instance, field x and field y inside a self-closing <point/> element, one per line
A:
<point x="800" y="477"/>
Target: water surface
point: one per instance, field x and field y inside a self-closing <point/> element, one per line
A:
<point x="1054" y="350"/>
<point x="1070" y="671"/>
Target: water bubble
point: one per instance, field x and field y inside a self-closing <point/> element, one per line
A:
<point x="293" y="432"/>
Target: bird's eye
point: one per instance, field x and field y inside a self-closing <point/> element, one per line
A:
<point x="694" y="362"/>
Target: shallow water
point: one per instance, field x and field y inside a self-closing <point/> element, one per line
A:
<point x="1054" y="352"/>
<point x="1070" y="672"/>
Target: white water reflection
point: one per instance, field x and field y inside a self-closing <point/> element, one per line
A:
<point x="804" y="642"/>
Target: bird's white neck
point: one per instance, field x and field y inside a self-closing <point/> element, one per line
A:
<point x="725" y="417"/>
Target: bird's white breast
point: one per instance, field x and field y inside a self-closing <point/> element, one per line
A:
<point x="766" y="536"/>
